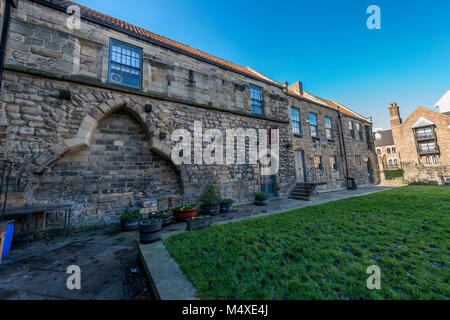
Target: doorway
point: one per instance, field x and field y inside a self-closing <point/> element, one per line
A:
<point x="300" y="166"/>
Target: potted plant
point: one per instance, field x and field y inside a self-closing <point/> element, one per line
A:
<point x="226" y="205"/>
<point x="129" y="221"/>
<point x="261" y="198"/>
<point x="199" y="222"/>
<point x="166" y="217"/>
<point x="155" y="215"/>
<point x="185" y="212"/>
<point x="6" y="237"/>
<point x="210" y="200"/>
<point x="150" y="230"/>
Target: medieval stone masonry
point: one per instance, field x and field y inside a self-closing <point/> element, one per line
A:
<point x="87" y="114"/>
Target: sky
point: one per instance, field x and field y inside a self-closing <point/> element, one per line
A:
<point x="324" y="44"/>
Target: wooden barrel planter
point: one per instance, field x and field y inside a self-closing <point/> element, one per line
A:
<point x="210" y="210"/>
<point x="199" y="223"/>
<point x="129" y="224"/>
<point x="183" y="215"/>
<point x="150" y="232"/>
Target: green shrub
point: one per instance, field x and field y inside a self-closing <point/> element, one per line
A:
<point x="261" y="196"/>
<point x="130" y="215"/>
<point x="227" y="202"/>
<point x="392" y="174"/>
<point x="210" y="196"/>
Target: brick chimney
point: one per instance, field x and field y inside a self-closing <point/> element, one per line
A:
<point x="297" y="87"/>
<point x="395" y="115"/>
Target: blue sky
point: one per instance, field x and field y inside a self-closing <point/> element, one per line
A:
<point x="324" y="44"/>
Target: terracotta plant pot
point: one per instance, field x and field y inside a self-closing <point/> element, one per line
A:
<point x="182" y="215"/>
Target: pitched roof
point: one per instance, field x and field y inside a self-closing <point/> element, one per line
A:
<point x="144" y="34"/>
<point x="385" y="138"/>
<point x="444" y="103"/>
<point x="153" y="37"/>
<point x="422" y="122"/>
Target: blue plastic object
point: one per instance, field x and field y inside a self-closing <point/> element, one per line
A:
<point x="8" y="240"/>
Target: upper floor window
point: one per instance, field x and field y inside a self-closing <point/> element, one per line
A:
<point x="358" y="129"/>
<point x="425" y="132"/>
<point x="388" y="150"/>
<point x="352" y="129"/>
<point x="328" y="128"/>
<point x="296" y="123"/>
<point x="313" y="125"/>
<point x="125" y="64"/>
<point x="393" y="149"/>
<point x="378" y="150"/>
<point x="257" y="99"/>
<point x="432" y="160"/>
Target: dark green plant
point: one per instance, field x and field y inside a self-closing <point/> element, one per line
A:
<point x="227" y="202"/>
<point x="186" y="207"/>
<point x="261" y="196"/>
<point x="149" y="221"/>
<point x="210" y="196"/>
<point x="130" y="215"/>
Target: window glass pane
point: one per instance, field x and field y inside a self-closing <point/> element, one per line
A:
<point x="257" y="100"/>
<point x="125" y="64"/>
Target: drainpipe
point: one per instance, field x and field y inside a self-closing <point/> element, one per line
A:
<point x="342" y="139"/>
<point x="4" y="36"/>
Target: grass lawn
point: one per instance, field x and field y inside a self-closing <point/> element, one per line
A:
<point x="323" y="251"/>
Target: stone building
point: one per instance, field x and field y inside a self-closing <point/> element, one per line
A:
<point x="423" y="144"/>
<point x="388" y="157"/>
<point x="89" y="106"/>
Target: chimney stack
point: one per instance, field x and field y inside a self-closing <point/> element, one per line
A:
<point x="297" y="87"/>
<point x="395" y="115"/>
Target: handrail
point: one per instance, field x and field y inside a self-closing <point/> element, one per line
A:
<point x="311" y="175"/>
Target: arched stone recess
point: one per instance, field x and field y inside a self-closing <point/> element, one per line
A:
<point x="113" y="160"/>
<point x="89" y="124"/>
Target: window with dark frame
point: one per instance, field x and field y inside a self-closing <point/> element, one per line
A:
<point x="333" y="163"/>
<point x="329" y="128"/>
<point x="352" y="129"/>
<point x="313" y="125"/>
<point x="125" y="64"/>
<point x="257" y="99"/>
<point x="358" y="129"/>
<point x="296" y="122"/>
<point x="318" y="162"/>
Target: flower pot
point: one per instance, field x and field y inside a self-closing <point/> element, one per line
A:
<point x="261" y="202"/>
<point x="210" y="210"/>
<point x="6" y="237"/>
<point x="198" y="224"/>
<point x="146" y="238"/>
<point x="129" y="224"/>
<point x="166" y="219"/>
<point x="183" y="215"/>
<point x="150" y="228"/>
<point x="225" y="208"/>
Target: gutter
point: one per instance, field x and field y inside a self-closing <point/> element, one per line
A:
<point x="342" y="140"/>
<point x="4" y="36"/>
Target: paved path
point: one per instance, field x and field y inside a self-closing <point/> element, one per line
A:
<point x="39" y="271"/>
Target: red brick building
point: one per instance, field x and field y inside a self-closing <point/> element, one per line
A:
<point x="422" y="144"/>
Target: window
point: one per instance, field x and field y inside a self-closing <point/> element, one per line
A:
<point x="427" y="146"/>
<point x="358" y="129"/>
<point x="426" y="132"/>
<point x="391" y="163"/>
<point x="393" y="149"/>
<point x="296" y="124"/>
<point x="432" y="160"/>
<point x="328" y="128"/>
<point x="318" y="162"/>
<point x="352" y="130"/>
<point x="313" y="125"/>
<point x="435" y="160"/>
<point x="333" y="163"/>
<point x="388" y="150"/>
<point x="257" y="99"/>
<point x="358" y="160"/>
<point x="395" y="162"/>
<point x="125" y="64"/>
<point x="378" y="150"/>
